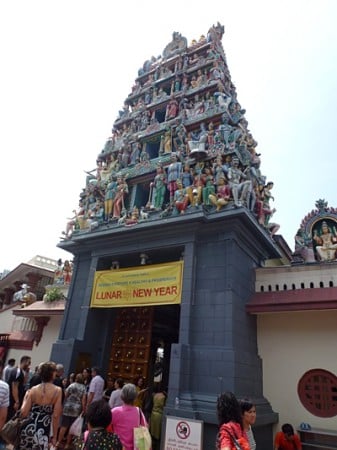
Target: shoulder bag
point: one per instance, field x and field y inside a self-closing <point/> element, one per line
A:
<point x="141" y="435"/>
<point x="11" y="430"/>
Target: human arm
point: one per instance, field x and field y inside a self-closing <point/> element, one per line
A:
<point x="4" y="403"/>
<point x="90" y="398"/>
<point x="84" y="402"/>
<point x="27" y="403"/>
<point x="317" y="238"/>
<point x="91" y="391"/>
<point x="112" y="399"/>
<point x="15" y="394"/>
<point x="3" y="416"/>
<point x="224" y="441"/>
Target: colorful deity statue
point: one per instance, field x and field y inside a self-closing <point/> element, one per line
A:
<point x="326" y="242"/>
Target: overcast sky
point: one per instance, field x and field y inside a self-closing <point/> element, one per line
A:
<point x="68" y="65"/>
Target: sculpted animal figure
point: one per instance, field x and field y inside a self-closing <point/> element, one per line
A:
<point x="24" y="295"/>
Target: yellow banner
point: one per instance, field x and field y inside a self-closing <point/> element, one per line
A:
<point x="159" y="284"/>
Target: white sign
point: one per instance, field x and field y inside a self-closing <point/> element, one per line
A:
<point x="183" y="434"/>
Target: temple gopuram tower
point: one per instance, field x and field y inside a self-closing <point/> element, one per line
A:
<point x="171" y="225"/>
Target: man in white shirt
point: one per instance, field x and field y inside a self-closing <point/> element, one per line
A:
<point x="7" y="370"/>
<point x="96" y="386"/>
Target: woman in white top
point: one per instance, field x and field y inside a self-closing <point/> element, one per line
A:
<point x="248" y="411"/>
<point x="115" y="397"/>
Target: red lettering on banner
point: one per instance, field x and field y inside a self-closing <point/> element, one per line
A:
<point x="166" y="290"/>
<point x="142" y="292"/>
<point x="108" y="295"/>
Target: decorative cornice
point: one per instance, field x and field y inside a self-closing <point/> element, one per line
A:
<point x="319" y="299"/>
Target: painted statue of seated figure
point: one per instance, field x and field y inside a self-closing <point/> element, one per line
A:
<point x="326" y="243"/>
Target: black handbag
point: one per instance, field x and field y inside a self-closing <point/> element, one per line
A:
<point x="11" y="430"/>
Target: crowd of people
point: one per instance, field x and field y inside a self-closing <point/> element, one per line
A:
<point x="52" y="402"/>
<point x="110" y="410"/>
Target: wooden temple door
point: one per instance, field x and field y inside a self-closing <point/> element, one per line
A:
<point x="131" y="343"/>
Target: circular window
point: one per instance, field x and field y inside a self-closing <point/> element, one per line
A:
<point x="317" y="390"/>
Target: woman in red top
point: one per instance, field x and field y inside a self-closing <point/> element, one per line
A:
<point x="230" y="422"/>
<point x="287" y="439"/>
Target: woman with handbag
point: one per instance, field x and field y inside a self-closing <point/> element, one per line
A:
<point x="127" y="417"/>
<point x="231" y="433"/>
<point x="42" y="404"/>
<point x="74" y="404"/>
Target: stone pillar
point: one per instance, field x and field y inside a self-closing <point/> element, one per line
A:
<point x="217" y="349"/>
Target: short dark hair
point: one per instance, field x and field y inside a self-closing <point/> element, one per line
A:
<point x="11" y="361"/>
<point x="24" y="359"/>
<point x="120" y="382"/>
<point x="96" y="369"/>
<point x="47" y="370"/>
<point x="288" y="429"/>
<point x="99" y="414"/>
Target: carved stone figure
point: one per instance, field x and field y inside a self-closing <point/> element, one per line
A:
<point x="209" y="188"/>
<point x="215" y="33"/>
<point x="179" y="139"/>
<point x="67" y="271"/>
<point x="121" y="191"/>
<point x="240" y="188"/>
<point x="75" y="221"/>
<point x="180" y="198"/>
<point x="24" y="295"/>
<point x="166" y="142"/>
<point x="303" y="247"/>
<point x="326" y="240"/>
<point x="222" y="195"/>
<point x="172" y="109"/>
<point x="173" y="174"/>
<point x="176" y="46"/>
<point x="159" y="185"/>
<point x="110" y="194"/>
